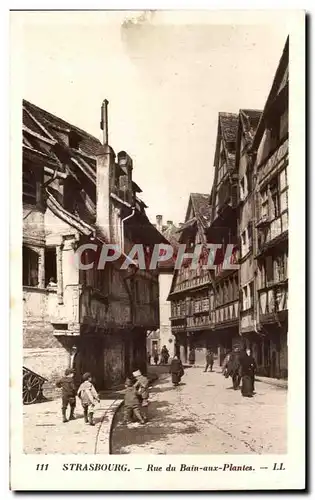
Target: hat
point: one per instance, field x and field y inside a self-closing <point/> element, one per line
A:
<point x="86" y="376"/>
<point x="137" y="373"/>
<point x="69" y="371"/>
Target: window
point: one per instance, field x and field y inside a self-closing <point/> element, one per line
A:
<point x="251" y="294"/>
<point x="50" y="266"/>
<point x="274" y="132"/>
<point x="243" y="238"/>
<point x="225" y="292"/>
<point x="249" y="181"/>
<point x="242" y="189"/>
<point x="275" y="208"/>
<point x="284" y="124"/>
<point x="269" y="270"/>
<point x="74" y="140"/>
<point x="280" y="268"/>
<point x="283" y="183"/>
<point x="264" y="210"/>
<point x="29" y="187"/>
<point x="250" y="236"/>
<point x="244" y="243"/>
<point x="137" y="292"/>
<point x="30" y="267"/>
<point x="245" y="298"/>
<point x="190" y="243"/>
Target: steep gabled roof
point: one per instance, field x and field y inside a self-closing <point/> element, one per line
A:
<point x="44" y="135"/>
<point x="228" y="123"/>
<point x="88" y="145"/>
<point x="227" y="130"/>
<point x="279" y="82"/>
<point x="249" y="119"/>
<point x="202" y="208"/>
<point x="171" y="234"/>
<point x="199" y="205"/>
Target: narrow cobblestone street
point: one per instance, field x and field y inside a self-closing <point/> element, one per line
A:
<point x="205" y="415"/>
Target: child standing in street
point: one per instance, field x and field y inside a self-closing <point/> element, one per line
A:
<point x="131" y="404"/>
<point x="142" y="387"/>
<point x="89" y="397"/>
<point x="66" y="383"/>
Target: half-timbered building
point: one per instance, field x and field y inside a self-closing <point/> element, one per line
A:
<point x="270" y="146"/>
<point x="223" y="230"/>
<point x="190" y="290"/>
<point x="77" y="192"/>
<point x="248" y="122"/>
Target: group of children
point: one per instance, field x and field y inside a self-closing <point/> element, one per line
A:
<point x="136" y="397"/>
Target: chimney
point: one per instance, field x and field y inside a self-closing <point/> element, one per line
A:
<point x="105" y="164"/>
<point x="159" y="223"/>
<point x="104" y="121"/>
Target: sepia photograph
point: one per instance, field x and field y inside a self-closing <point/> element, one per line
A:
<point x="154" y="188"/>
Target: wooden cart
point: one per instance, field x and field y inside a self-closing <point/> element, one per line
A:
<point x="32" y="386"/>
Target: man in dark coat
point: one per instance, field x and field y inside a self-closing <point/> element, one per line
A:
<point x="164" y="355"/>
<point x="176" y="370"/>
<point x="248" y="369"/>
<point x="192" y="356"/>
<point x="233" y="367"/>
<point x="155" y="356"/>
<point x="209" y="360"/>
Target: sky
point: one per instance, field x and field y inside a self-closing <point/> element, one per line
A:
<point x="166" y="76"/>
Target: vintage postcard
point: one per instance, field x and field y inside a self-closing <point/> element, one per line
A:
<point x="157" y="231"/>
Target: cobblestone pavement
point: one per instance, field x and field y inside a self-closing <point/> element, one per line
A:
<point x="45" y="433"/>
<point x="205" y="415"/>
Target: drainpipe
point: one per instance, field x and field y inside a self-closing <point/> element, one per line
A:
<point x="122" y="228"/>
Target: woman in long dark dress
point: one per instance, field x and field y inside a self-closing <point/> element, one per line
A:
<point x="176" y="370"/>
<point x="248" y="368"/>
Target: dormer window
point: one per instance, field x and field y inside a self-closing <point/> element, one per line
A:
<point x="231" y="145"/>
<point x="74" y="140"/>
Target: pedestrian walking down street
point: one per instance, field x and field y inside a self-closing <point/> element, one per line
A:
<point x="142" y="388"/>
<point x="209" y="360"/>
<point x="148" y="358"/>
<point x="233" y="368"/>
<point x="225" y="365"/>
<point x="192" y="356"/>
<point x="164" y="355"/>
<point x="132" y="410"/>
<point x="248" y="369"/>
<point x="67" y="385"/>
<point x="176" y="370"/>
<point x="89" y="398"/>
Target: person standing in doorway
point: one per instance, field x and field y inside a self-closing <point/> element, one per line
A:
<point x="155" y="356"/>
<point x="76" y="366"/>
